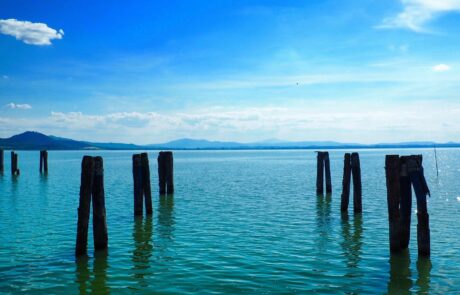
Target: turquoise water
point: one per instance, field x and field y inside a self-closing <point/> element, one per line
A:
<point x="239" y="222"/>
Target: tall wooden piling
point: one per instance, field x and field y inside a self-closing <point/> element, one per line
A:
<point x="2" y="164"/>
<point x="99" y="214"/>
<point x="86" y="184"/>
<point x="415" y="169"/>
<point x="14" y="164"/>
<point x="345" y="199"/>
<point x="327" y="167"/>
<point x="357" y="188"/>
<point x="146" y="183"/>
<point x="166" y="173"/>
<point x="91" y="188"/>
<point x="138" y="190"/>
<point x="392" y="171"/>
<point x="405" y="203"/>
<point x="44" y="161"/>
<point x="319" y="173"/>
<point x="142" y="188"/>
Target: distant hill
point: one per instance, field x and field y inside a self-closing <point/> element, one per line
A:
<point x="35" y="141"/>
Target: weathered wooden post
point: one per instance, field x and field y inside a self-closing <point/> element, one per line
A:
<point x="146" y="183"/>
<point x="405" y="203"/>
<point x="415" y="169"/>
<point x="327" y="167"/>
<point x="142" y="188"/>
<point x="2" y="165"/>
<point x="392" y="171"/>
<point x="345" y="199"/>
<point x="43" y="161"/>
<point x="86" y="184"/>
<point x="357" y="188"/>
<point x="14" y="164"/>
<point x="91" y="187"/>
<point x="166" y="173"/>
<point x="99" y="214"/>
<point x="319" y="174"/>
<point x="138" y="191"/>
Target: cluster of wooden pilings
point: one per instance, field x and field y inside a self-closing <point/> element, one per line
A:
<point x="403" y="173"/>
<point x="92" y="188"/>
<point x="2" y="164"/>
<point x="14" y="162"/>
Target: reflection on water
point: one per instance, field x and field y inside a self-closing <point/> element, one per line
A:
<point x="98" y="283"/>
<point x="401" y="281"/>
<point x="323" y="220"/>
<point x="143" y="248"/>
<point x="423" y="277"/>
<point x="352" y="239"/>
<point x="165" y="226"/>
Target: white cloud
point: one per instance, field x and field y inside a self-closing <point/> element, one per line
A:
<point x="417" y="13"/>
<point x="440" y="68"/>
<point x="19" y="106"/>
<point x="30" y="33"/>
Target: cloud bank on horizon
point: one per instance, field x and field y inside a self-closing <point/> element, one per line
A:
<point x="245" y="71"/>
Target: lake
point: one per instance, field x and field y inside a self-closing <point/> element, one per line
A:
<point x="239" y="222"/>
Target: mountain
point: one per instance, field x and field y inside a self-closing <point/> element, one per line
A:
<point x="35" y="141"/>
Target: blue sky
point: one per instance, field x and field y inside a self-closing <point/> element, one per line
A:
<point x="150" y="71"/>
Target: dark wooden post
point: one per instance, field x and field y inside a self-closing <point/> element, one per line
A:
<point x="14" y="164"/>
<point x="2" y="165"/>
<point x="319" y="174"/>
<point x="406" y="202"/>
<point x="346" y="183"/>
<point x="41" y="161"/>
<point x="99" y="215"/>
<point x="357" y="188"/>
<point x="327" y="167"/>
<point x="415" y="169"/>
<point x="138" y="190"/>
<point x="87" y="172"/>
<point x="45" y="161"/>
<point x="147" y="190"/>
<point x="166" y="173"/>
<point x="392" y="171"/>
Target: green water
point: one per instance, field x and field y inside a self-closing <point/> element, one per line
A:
<point x="239" y="222"/>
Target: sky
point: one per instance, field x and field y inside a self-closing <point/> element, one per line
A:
<point x="364" y="71"/>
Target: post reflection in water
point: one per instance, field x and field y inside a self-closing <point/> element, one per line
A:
<point x="98" y="283"/>
<point x="143" y="248"/>
<point x="352" y="239"/>
<point x="323" y="220"/>
<point x="165" y="226"/>
<point x="400" y="281"/>
<point x="423" y="278"/>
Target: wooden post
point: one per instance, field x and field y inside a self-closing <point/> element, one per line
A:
<point x="14" y="164"/>
<point x="99" y="215"/>
<point x="166" y="173"/>
<point x="92" y="185"/>
<point x="87" y="172"/>
<point x="357" y="188"/>
<point x="346" y="183"/>
<point x="41" y="161"/>
<point x="2" y="165"/>
<point x="392" y="171"/>
<point x="138" y="190"/>
<point x="319" y="174"/>
<point x="406" y="202"/>
<point x="147" y="190"/>
<point x="328" y="173"/>
<point x="45" y="161"/>
<point x="415" y="169"/>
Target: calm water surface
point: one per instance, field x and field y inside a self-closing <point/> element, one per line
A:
<point x="240" y="222"/>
